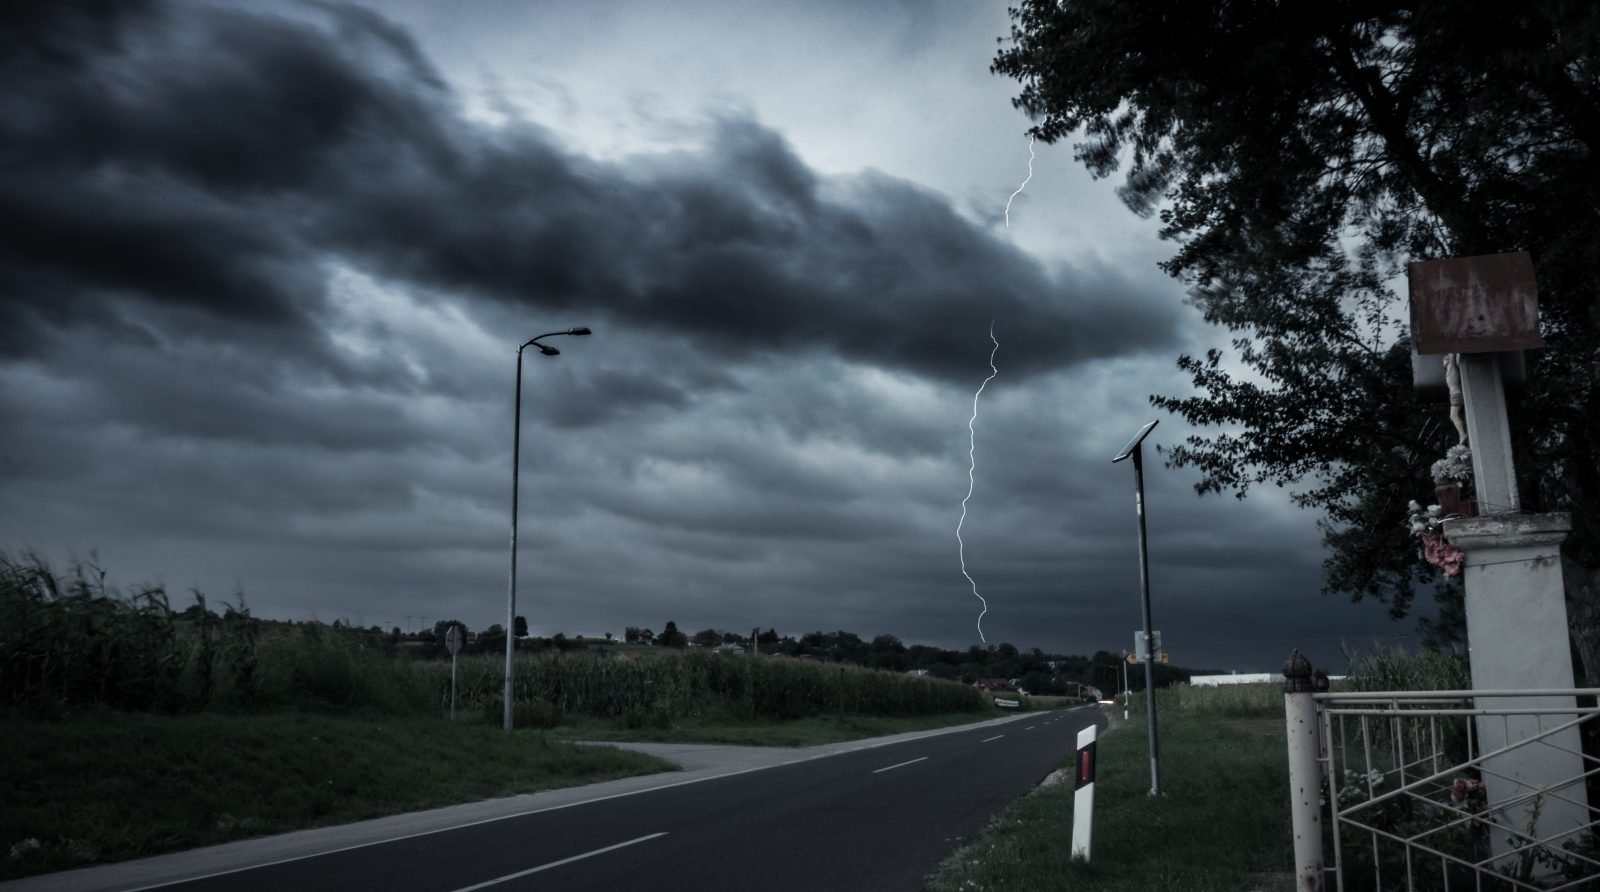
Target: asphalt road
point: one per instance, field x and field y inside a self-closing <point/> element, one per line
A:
<point x="869" y="819"/>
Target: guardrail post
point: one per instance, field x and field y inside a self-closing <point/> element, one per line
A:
<point x="1305" y="776"/>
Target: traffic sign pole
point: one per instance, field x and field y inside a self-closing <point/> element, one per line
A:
<point x="452" y="641"/>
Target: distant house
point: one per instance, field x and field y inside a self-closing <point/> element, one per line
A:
<point x="735" y="649"/>
<point x="993" y="684"/>
<point x="917" y="672"/>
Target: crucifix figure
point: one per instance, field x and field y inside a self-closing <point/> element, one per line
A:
<point x="1458" y="403"/>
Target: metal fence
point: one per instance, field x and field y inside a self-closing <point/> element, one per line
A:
<point x="1445" y="790"/>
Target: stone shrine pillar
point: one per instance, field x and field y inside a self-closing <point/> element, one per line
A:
<point x="1483" y="308"/>
<point x="1517" y="629"/>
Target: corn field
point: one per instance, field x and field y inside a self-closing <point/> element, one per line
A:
<point x="1227" y="700"/>
<point x="70" y="640"/>
<point x="697" y="684"/>
<point x="72" y="643"/>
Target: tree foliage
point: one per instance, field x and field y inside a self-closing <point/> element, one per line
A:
<point x="671" y="637"/>
<point x="1298" y="155"/>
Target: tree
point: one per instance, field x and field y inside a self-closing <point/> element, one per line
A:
<point x="1298" y="156"/>
<point x="708" y="638"/>
<point x="520" y="627"/>
<point x="887" y="644"/>
<point x="770" y="636"/>
<point x="491" y="640"/>
<point x="671" y="637"/>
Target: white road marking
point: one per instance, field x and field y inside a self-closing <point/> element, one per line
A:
<point x="900" y="765"/>
<point x="518" y="875"/>
<point x="1029" y="728"/>
<point x="987" y="739"/>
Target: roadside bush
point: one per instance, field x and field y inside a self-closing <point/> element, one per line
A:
<point x="334" y="670"/>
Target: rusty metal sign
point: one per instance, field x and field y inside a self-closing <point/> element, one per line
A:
<point x="1482" y="304"/>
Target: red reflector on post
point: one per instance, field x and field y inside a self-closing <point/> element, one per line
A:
<point x="1085" y="765"/>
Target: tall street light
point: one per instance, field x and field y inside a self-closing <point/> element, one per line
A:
<point x="516" y="454"/>
<point x="1135" y="448"/>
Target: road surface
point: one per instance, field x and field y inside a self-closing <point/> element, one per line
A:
<point x="877" y="818"/>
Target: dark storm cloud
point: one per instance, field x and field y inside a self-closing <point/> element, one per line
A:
<point x="207" y="159"/>
<point x="262" y="280"/>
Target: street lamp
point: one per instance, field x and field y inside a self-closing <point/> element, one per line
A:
<point x="516" y="453"/>
<point x="1135" y="448"/>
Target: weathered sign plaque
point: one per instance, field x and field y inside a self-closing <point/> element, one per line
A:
<point x="1484" y="304"/>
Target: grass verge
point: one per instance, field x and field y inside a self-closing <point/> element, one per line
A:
<point x="1221" y="825"/>
<point x="111" y="786"/>
<point x="795" y="732"/>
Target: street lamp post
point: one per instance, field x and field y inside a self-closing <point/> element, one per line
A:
<point x="516" y="453"/>
<point x="1135" y="448"/>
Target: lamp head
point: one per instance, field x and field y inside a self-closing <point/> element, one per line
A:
<point x="578" y="331"/>
<point x="547" y="350"/>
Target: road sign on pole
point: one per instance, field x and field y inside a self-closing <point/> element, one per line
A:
<point x="1145" y="647"/>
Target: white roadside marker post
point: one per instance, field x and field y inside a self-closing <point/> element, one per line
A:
<point x="1083" y="795"/>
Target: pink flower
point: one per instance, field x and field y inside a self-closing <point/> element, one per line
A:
<point x="1441" y="554"/>
<point x="1469" y="791"/>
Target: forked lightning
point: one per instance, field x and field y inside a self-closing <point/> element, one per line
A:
<point x="972" y="458"/>
<point x="1024" y="182"/>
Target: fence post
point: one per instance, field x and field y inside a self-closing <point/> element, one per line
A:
<point x="1305" y="776"/>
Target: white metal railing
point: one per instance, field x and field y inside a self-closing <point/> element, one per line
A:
<point x="1445" y="790"/>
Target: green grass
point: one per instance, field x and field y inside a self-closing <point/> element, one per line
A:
<point x="1221" y="825"/>
<point x="796" y="732"/>
<point x="112" y="786"/>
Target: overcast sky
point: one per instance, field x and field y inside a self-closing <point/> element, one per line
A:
<point x="266" y="268"/>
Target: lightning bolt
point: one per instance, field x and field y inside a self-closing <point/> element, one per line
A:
<point x="972" y="457"/>
<point x="1024" y="182"/>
